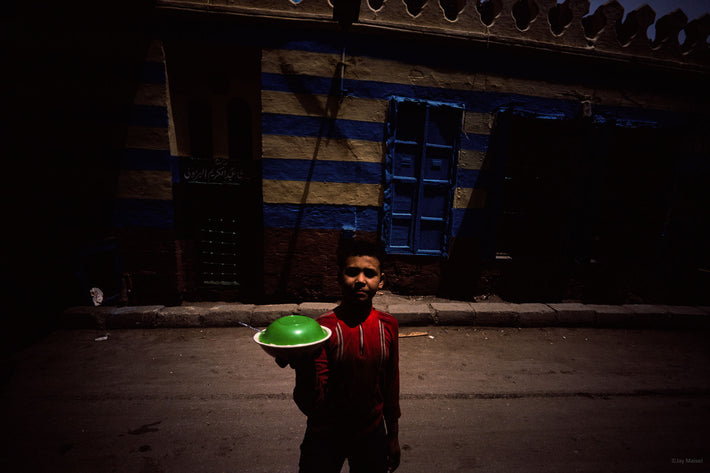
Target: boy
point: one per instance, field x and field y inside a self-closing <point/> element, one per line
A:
<point x="350" y="392"/>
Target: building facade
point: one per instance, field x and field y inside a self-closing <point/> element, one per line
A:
<point x="534" y="150"/>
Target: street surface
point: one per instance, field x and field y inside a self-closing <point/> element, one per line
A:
<point x="473" y="399"/>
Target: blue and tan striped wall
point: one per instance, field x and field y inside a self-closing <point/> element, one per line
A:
<point x="323" y="156"/>
<point x="144" y="195"/>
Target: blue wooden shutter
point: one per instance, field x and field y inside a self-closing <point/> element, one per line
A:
<point x="423" y="139"/>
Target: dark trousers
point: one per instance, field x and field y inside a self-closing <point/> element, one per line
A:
<point x="325" y="452"/>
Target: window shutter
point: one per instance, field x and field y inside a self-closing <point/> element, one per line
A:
<point x="422" y="150"/>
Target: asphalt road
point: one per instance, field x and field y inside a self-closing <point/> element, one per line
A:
<point x="473" y="399"/>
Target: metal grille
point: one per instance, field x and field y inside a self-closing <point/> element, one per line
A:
<point x="219" y="244"/>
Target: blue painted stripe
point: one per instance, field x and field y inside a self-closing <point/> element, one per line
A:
<point x="474" y="141"/>
<point x="147" y="213"/>
<point x="298" y="84"/>
<point x="526" y="67"/>
<point x="153" y="73"/>
<point x="148" y="115"/>
<point x="146" y="159"/>
<point x="471" y="223"/>
<point x="316" y="127"/>
<point x="432" y="55"/>
<point x="322" y="171"/>
<point x="468" y="178"/>
<point x="324" y="217"/>
<point x="474" y="101"/>
<point x="636" y="117"/>
<point x="175" y="168"/>
<point x="465" y="222"/>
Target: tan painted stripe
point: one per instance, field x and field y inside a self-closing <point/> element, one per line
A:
<point x="134" y="184"/>
<point x="299" y="147"/>
<point x="350" y="108"/>
<point x="151" y="94"/>
<point x="466" y="198"/>
<point x="387" y="71"/>
<point x="282" y="61"/>
<point x="322" y="193"/>
<point x="478" y="123"/>
<point x="471" y="159"/>
<point x="144" y="137"/>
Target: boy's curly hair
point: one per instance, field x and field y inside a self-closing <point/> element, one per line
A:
<point x="350" y="248"/>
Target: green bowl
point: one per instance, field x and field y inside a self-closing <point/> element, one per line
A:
<point x="292" y="337"/>
<point x="293" y="330"/>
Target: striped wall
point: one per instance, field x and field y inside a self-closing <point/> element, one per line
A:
<point x="323" y="156"/>
<point x="144" y="195"/>
<point x="323" y="153"/>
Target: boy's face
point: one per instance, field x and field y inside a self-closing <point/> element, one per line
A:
<point x="360" y="278"/>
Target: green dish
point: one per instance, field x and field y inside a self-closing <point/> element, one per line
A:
<point x="293" y="330"/>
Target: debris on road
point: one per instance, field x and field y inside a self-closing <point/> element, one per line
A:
<point x="413" y="334"/>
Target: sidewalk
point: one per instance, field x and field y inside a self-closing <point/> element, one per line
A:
<point x="409" y="311"/>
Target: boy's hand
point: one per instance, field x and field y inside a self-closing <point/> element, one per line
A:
<point x="303" y="361"/>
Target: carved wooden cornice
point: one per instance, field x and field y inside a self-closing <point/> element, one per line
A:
<point x="567" y="27"/>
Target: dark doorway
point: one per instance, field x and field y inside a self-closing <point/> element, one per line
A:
<point x="215" y="100"/>
<point x="584" y="211"/>
<point x="544" y="172"/>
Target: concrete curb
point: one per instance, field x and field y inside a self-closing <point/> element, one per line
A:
<point x="415" y="313"/>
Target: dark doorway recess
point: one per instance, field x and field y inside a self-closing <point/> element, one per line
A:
<point x="593" y="211"/>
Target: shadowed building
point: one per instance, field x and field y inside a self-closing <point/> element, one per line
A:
<point x="528" y="148"/>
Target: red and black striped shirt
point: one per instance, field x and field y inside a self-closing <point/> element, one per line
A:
<point x="356" y="378"/>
